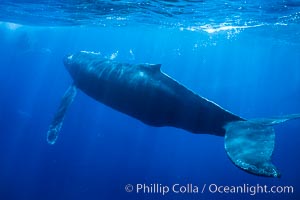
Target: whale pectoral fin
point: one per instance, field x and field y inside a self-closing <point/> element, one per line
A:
<point x="57" y="121"/>
<point x="250" y="144"/>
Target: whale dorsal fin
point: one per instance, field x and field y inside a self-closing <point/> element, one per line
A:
<point x="155" y="67"/>
<point x="152" y="67"/>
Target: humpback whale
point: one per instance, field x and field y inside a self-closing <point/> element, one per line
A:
<point x="144" y="92"/>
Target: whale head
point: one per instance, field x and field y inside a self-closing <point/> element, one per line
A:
<point x="73" y="61"/>
<point x="80" y="63"/>
<point x="68" y="61"/>
<point x="73" y="64"/>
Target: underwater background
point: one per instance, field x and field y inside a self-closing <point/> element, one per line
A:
<point x="245" y="56"/>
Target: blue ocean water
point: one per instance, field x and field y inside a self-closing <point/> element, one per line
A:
<point x="245" y="56"/>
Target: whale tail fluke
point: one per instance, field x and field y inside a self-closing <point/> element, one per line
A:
<point x="250" y="144"/>
<point x="57" y="121"/>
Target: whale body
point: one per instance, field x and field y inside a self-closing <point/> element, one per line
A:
<point x="144" y="92"/>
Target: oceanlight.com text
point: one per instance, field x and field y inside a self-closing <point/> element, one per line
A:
<point x="164" y="189"/>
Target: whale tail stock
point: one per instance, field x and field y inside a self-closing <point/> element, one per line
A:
<point x="250" y="144"/>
